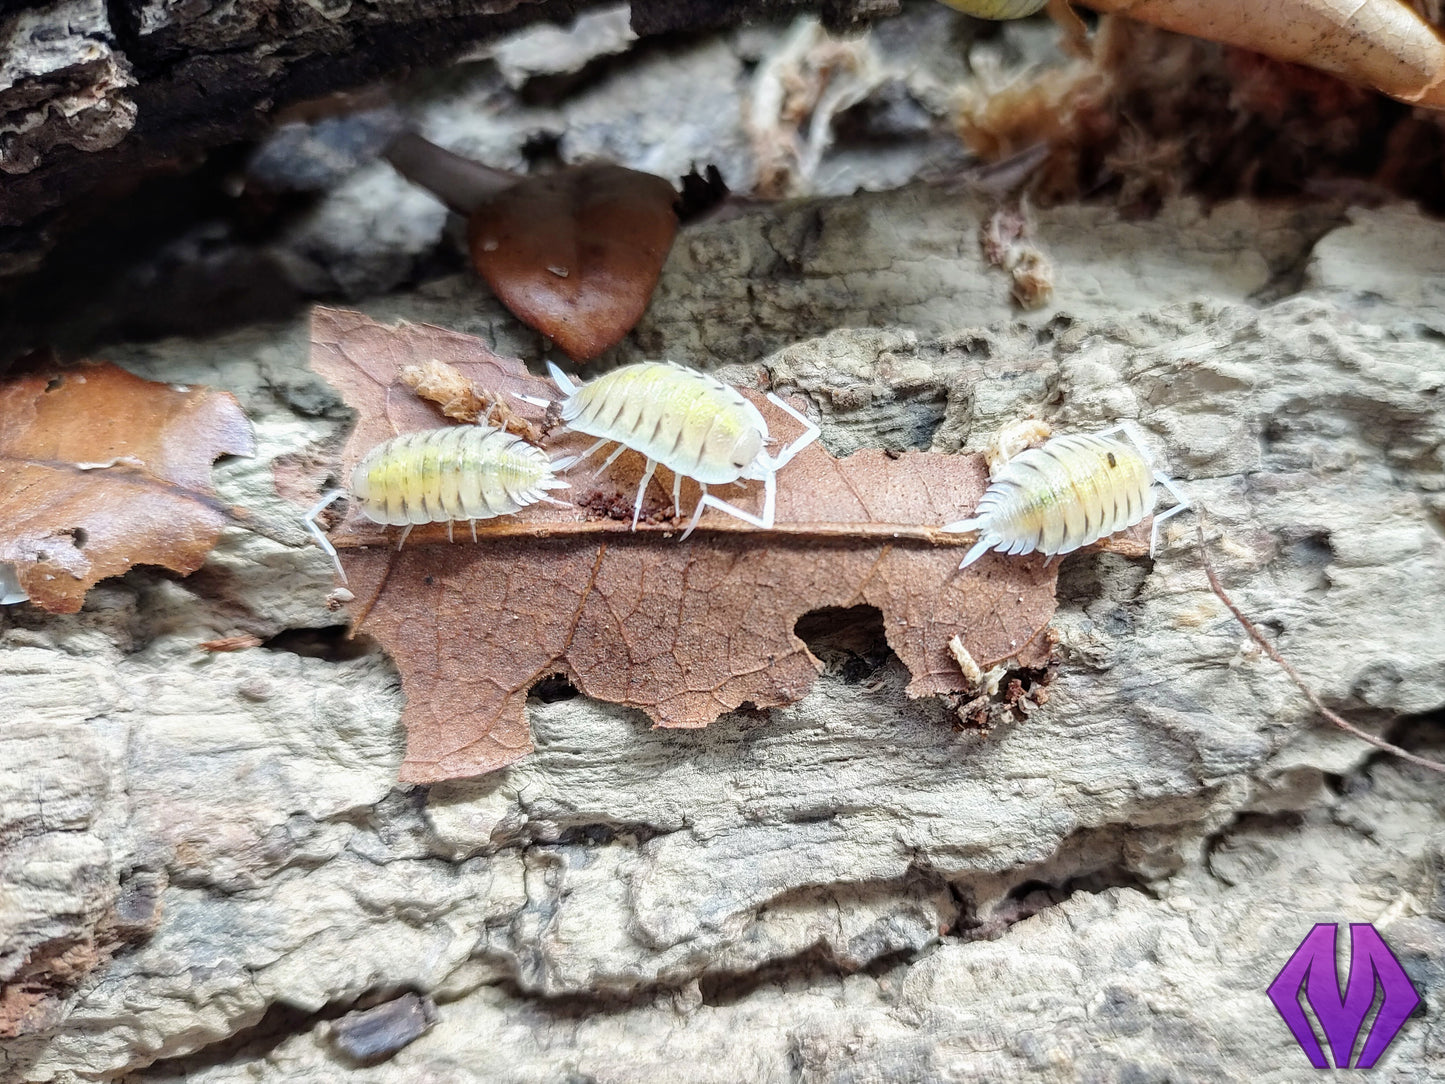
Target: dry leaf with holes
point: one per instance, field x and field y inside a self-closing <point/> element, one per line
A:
<point x="101" y="471"/>
<point x="683" y="631"/>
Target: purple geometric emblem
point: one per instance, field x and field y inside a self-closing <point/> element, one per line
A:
<point x="1372" y="965"/>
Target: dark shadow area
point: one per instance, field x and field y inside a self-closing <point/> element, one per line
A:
<point x="552" y="689"/>
<point x="800" y="972"/>
<point x="850" y="642"/>
<point x="331" y="643"/>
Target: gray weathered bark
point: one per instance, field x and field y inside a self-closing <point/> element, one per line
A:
<point x="207" y="838"/>
<point x="208" y="872"/>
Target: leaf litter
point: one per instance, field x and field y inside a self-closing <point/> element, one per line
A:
<point x="576" y="254"/>
<point x="101" y="471"/>
<point x="685" y="632"/>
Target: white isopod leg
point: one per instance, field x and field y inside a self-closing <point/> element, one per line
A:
<point x="1183" y="503"/>
<point x="810" y="434"/>
<point x="647" y="473"/>
<point x="765" y="521"/>
<point x="449" y="532"/>
<point x="402" y="540"/>
<point x="578" y="459"/>
<point x="473" y="524"/>
<point x="611" y="459"/>
<point x="321" y="540"/>
<point x="676" y="494"/>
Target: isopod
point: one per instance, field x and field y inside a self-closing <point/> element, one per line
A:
<point x="468" y="472"/>
<point x="1067" y="493"/>
<point x="687" y="421"/>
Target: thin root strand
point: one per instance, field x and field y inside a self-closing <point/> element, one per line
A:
<point x="1294" y="675"/>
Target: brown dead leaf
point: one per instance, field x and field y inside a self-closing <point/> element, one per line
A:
<point x="101" y="470"/>
<point x="576" y="254"/>
<point x="684" y="631"/>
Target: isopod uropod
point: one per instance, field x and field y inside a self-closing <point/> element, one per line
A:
<point x="1067" y="493"/>
<point x="687" y="421"/>
<point x="468" y="472"/>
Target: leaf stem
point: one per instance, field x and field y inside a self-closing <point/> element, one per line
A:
<point x="869" y="532"/>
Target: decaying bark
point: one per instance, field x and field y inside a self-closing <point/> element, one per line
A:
<point x="95" y="95"/>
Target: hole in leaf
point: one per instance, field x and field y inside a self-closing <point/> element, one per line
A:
<point x="330" y="643"/>
<point x="551" y="689"/>
<point x="543" y="150"/>
<point x="80" y="536"/>
<point x="54" y="383"/>
<point x="850" y="642"/>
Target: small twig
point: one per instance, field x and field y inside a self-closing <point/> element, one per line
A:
<point x="1294" y="675"/>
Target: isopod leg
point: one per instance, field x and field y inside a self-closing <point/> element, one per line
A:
<point x="321" y="540"/>
<point x="810" y="433"/>
<point x="402" y="540"/>
<point x="473" y="524"/>
<point x="641" y="490"/>
<point x="1183" y="503"/>
<point x="709" y="501"/>
<point x="560" y="466"/>
<point x="611" y="459"/>
<point x="676" y="494"/>
<point x="449" y="532"/>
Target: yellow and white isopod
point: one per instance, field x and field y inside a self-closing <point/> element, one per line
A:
<point x="687" y="421"/>
<point x="459" y="472"/>
<point x="1070" y="491"/>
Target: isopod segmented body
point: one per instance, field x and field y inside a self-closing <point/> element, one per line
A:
<point x="1070" y="491"/>
<point x="687" y="421"/>
<point x="459" y="472"/>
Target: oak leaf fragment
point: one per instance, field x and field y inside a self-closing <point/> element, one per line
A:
<point x="684" y="631"/>
<point x="101" y="470"/>
<point x="576" y="254"/>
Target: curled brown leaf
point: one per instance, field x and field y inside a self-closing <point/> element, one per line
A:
<point x="1375" y="43"/>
